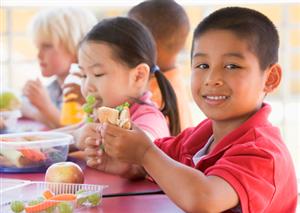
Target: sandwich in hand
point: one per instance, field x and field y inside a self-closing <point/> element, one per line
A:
<point x="119" y="116"/>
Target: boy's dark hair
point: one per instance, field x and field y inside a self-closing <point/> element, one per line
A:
<point x="166" y="20"/>
<point x="248" y="24"/>
<point x="133" y="44"/>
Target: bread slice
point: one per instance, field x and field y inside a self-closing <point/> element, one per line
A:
<point x="112" y="116"/>
<point x="108" y="115"/>
<point x="125" y="118"/>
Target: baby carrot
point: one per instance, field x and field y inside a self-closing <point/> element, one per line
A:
<point x="48" y="194"/>
<point x="32" y="154"/>
<point x="50" y="202"/>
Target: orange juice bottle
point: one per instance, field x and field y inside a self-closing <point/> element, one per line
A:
<point x="71" y="112"/>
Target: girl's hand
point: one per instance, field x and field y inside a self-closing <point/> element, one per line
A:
<point x="37" y="94"/>
<point x="87" y="132"/>
<point x="73" y="88"/>
<point x="98" y="159"/>
<point x="128" y="146"/>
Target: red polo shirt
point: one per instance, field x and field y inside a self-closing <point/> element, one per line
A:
<point x="253" y="159"/>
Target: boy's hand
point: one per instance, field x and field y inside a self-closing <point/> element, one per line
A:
<point x="128" y="146"/>
<point x="86" y="133"/>
<point x="37" y="94"/>
<point x="73" y="88"/>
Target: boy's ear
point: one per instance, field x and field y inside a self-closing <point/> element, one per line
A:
<point x="140" y="74"/>
<point x="273" y="78"/>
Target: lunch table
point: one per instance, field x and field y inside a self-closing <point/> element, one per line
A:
<point x="121" y="195"/>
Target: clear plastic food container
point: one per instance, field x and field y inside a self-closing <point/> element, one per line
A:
<point x="50" y="197"/>
<point x="33" y="151"/>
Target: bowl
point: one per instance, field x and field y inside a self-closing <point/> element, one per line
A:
<point x="33" y="151"/>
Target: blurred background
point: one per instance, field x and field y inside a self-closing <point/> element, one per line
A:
<point x="19" y="64"/>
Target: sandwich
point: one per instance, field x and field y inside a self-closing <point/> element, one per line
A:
<point x="119" y="116"/>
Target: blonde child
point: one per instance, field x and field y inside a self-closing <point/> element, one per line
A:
<point x="169" y="25"/>
<point x="235" y="160"/>
<point x="116" y="59"/>
<point x="56" y="33"/>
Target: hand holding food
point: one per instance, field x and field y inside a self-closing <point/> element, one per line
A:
<point x="126" y="146"/>
<point x="98" y="159"/>
<point x="86" y="132"/>
<point x="37" y="94"/>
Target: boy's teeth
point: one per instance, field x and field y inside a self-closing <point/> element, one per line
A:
<point x="216" y="97"/>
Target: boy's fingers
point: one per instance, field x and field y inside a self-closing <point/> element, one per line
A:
<point x="112" y="130"/>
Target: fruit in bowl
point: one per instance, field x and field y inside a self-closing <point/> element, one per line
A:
<point x="9" y="101"/>
<point x="64" y="172"/>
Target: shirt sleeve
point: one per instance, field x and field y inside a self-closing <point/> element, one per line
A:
<point x="172" y="146"/>
<point x="249" y="169"/>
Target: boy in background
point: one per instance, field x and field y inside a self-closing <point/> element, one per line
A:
<point x="169" y="25"/>
<point x="56" y="34"/>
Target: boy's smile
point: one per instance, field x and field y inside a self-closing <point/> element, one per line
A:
<point x="227" y="82"/>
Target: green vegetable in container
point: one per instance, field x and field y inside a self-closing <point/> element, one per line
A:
<point x="17" y="206"/>
<point x="81" y="199"/>
<point x="65" y="207"/>
<point x="94" y="199"/>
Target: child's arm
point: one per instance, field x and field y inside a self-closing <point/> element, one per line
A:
<point x="189" y="188"/>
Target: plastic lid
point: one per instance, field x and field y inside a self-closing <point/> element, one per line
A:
<point x="44" y="139"/>
<point x="13" y="113"/>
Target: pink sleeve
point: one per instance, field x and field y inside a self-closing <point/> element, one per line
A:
<point x="151" y="120"/>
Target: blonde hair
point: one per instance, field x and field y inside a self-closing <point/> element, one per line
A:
<point x="62" y="27"/>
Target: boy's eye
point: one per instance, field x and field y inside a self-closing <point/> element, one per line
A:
<point x="232" y="66"/>
<point x="202" y="66"/>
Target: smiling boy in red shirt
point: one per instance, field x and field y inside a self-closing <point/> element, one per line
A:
<point x="234" y="161"/>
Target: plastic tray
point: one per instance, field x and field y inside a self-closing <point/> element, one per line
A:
<point x="27" y="191"/>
